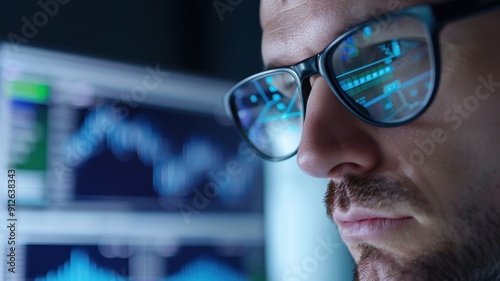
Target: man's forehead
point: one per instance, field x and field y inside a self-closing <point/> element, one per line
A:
<point x="294" y="30"/>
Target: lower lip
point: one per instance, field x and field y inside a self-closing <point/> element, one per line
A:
<point x="371" y="229"/>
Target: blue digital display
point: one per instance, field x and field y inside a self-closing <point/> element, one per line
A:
<point x="71" y="262"/>
<point x="388" y="79"/>
<point x="270" y="111"/>
<point x="123" y="180"/>
<point x="80" y="267"/>
<point x="274" y="104"/>
<point x="154" y="154"/>
<point x="87" y="262"/>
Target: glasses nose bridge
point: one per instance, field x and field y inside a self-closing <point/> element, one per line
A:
<point x="307" y="68"/>
<point x="304" y="70"/>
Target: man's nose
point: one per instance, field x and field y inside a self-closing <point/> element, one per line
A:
<point x="334" y="142"/>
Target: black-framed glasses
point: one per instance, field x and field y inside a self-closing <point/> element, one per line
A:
<point x="385" y="71"/>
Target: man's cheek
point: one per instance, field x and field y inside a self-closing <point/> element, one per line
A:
<point x="453" y="118"/>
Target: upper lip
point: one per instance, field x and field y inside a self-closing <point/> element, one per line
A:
<point x="355" y="214"/>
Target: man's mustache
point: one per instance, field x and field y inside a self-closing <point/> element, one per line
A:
<point x="371" y="192"/>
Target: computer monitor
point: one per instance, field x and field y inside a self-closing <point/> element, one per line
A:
<point x="124" y="171"/>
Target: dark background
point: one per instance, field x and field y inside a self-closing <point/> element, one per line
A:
<point x="186" y="35"/>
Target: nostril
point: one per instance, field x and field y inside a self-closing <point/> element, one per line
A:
<point x="344" y="169"/>
<point x="325" y="165"/>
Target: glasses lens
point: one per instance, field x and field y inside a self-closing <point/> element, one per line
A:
<point x="270" y="112"/>
<point x="386" y="69"/>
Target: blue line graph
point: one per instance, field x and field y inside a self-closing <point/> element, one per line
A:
<point x="80" y="268"/>
<point x="207" y="269"/>
<point x="174" y="170"/>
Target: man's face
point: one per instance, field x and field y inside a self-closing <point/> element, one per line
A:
<point x="419" y="201"/>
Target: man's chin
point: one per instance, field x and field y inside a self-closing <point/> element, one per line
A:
<point x="458" y="263"/>
<point x="375" y="264"/>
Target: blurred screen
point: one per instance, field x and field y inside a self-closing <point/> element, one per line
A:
<point x="125" y="172"/>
